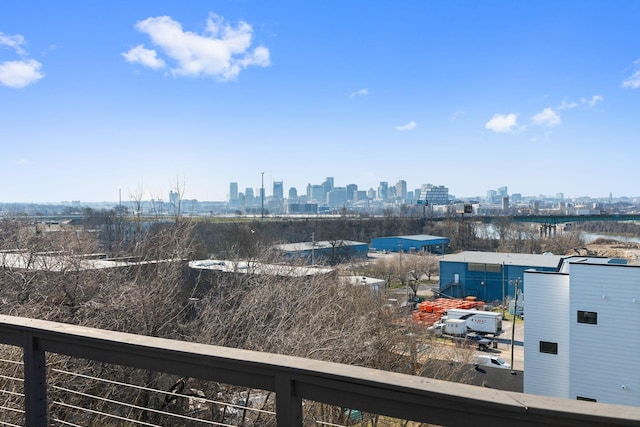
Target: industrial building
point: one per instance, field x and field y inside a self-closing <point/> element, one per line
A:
<point x="330" y="251"/>
<point x="415" y="243"/>
<point x="489" y="276"/>
<point x="581" y="331"/>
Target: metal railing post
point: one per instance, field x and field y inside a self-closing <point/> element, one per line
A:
<point x="35" y="383"/>
<point x="288" y="405"/>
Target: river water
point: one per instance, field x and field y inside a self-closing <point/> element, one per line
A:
<point x="489" y="231"/>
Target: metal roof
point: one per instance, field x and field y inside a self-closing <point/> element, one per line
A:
<point x="307" y="246"/>
<point x="421" y="237"/>
<point x="526" y="260"/>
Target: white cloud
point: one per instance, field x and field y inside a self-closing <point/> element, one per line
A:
<point x="633" y="81"/>
<point x="360" y="92"/>
<point x="146" y="57"/>
<point x="566" y="105"/>
<point x="222" y="51"/>
<point x="14" y="42"/>
<point x="408" y="126"/>
<point x="18" y="74"/>
<point x="590" y="103"/>
<point x="547" y="117"/>
<point x="500" y="123"/>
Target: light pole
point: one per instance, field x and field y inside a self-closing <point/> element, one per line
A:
<point x="262" y="197"/>
<point x="503" y="289"/>
<point x="409" y="273"/>
<point x="513" y="328"/>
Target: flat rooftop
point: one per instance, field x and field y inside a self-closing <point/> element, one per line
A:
<point x="525" y="260"/>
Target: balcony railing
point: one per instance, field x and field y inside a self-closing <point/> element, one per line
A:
<point x="295" y="379"/>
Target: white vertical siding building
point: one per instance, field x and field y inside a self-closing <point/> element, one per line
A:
<point x="582" y="332"/>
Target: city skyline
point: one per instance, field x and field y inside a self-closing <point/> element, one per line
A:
<point x="99" y="102"/>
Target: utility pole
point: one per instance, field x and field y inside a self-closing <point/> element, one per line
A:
<point x="503" y="291"/>
<point x="262" y="197"/>
<point x="513" y="328"/>
<point x="313" y="245"/>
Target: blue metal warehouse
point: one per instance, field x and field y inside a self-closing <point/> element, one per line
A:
<point x="415" y="243"/>
<point x="489" y="276"/>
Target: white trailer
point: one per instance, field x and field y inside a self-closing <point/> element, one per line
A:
<point x="453" y="327"/>
<point x="482" y="322"/>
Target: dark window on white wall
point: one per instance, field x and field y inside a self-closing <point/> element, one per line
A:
<point x="548" y="347"/>
<point x="590" y="317"/>
<point x="588" y="399"/>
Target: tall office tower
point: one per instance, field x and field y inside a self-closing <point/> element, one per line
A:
<point x="371" y="194"/>
<point x="337" y="196"/>
<point x="505" y="203"/>
<point x="316" y="193"/>
<point x="278" y="190"/>
<point x="327" y="185"/>
<point x="174" y="198"/>
<point x="502" y="191"/>
<point x="435" y="195"/>
<point x="293" y="193"/>
<point x="491" y="196"/>
<point x="401" y="189"/>
<point x="383" y="190"/>
<point x="248" y="193"/>
<point x="391" y="192"/>
<point x="352" y="189"/>
<point x="560" y="196"/>
<point x="233" y="191"/>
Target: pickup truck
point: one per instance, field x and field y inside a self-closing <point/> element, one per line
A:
<point x="482" y="342"/>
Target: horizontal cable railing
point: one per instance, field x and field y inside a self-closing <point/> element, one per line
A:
<point x="293" y="380"/>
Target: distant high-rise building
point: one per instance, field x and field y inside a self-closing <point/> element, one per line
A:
<point x="502" y="191"/>
<point x="491" y="196"/>
<point x="351" y="192"/>
<point x="278" y="190"/>
<point x="328" y="184"/>
<point x="337" y="196"/>
<point x="560" y="196"/>
<point x="248" y="194"/>
<point x="505" y="203"/>
<point x="371" y="193"/>
<point x="174" y="198"/>
<point x="360" y="195"/>
<point x="233" y="191"/>
<point x="316" y="193"/>
<point x="383" y="190"/>
<point x="435" y="195"/>
<point x="401" y="189"/>
<point x="293" y="193"/>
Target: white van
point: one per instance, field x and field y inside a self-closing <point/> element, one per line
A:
<point x="487" y="360"/>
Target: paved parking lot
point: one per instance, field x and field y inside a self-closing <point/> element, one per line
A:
<point x="504" y="344"/>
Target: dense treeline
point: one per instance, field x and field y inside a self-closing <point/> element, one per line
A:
<point x="625" y="228"/>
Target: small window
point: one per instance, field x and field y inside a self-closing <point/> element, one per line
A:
<point x="590" y="317"/>
<point x="587" y="399"/>
<point x="548" y="347"/>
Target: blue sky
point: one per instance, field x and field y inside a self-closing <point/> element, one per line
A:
<point x="105" y="98"/>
